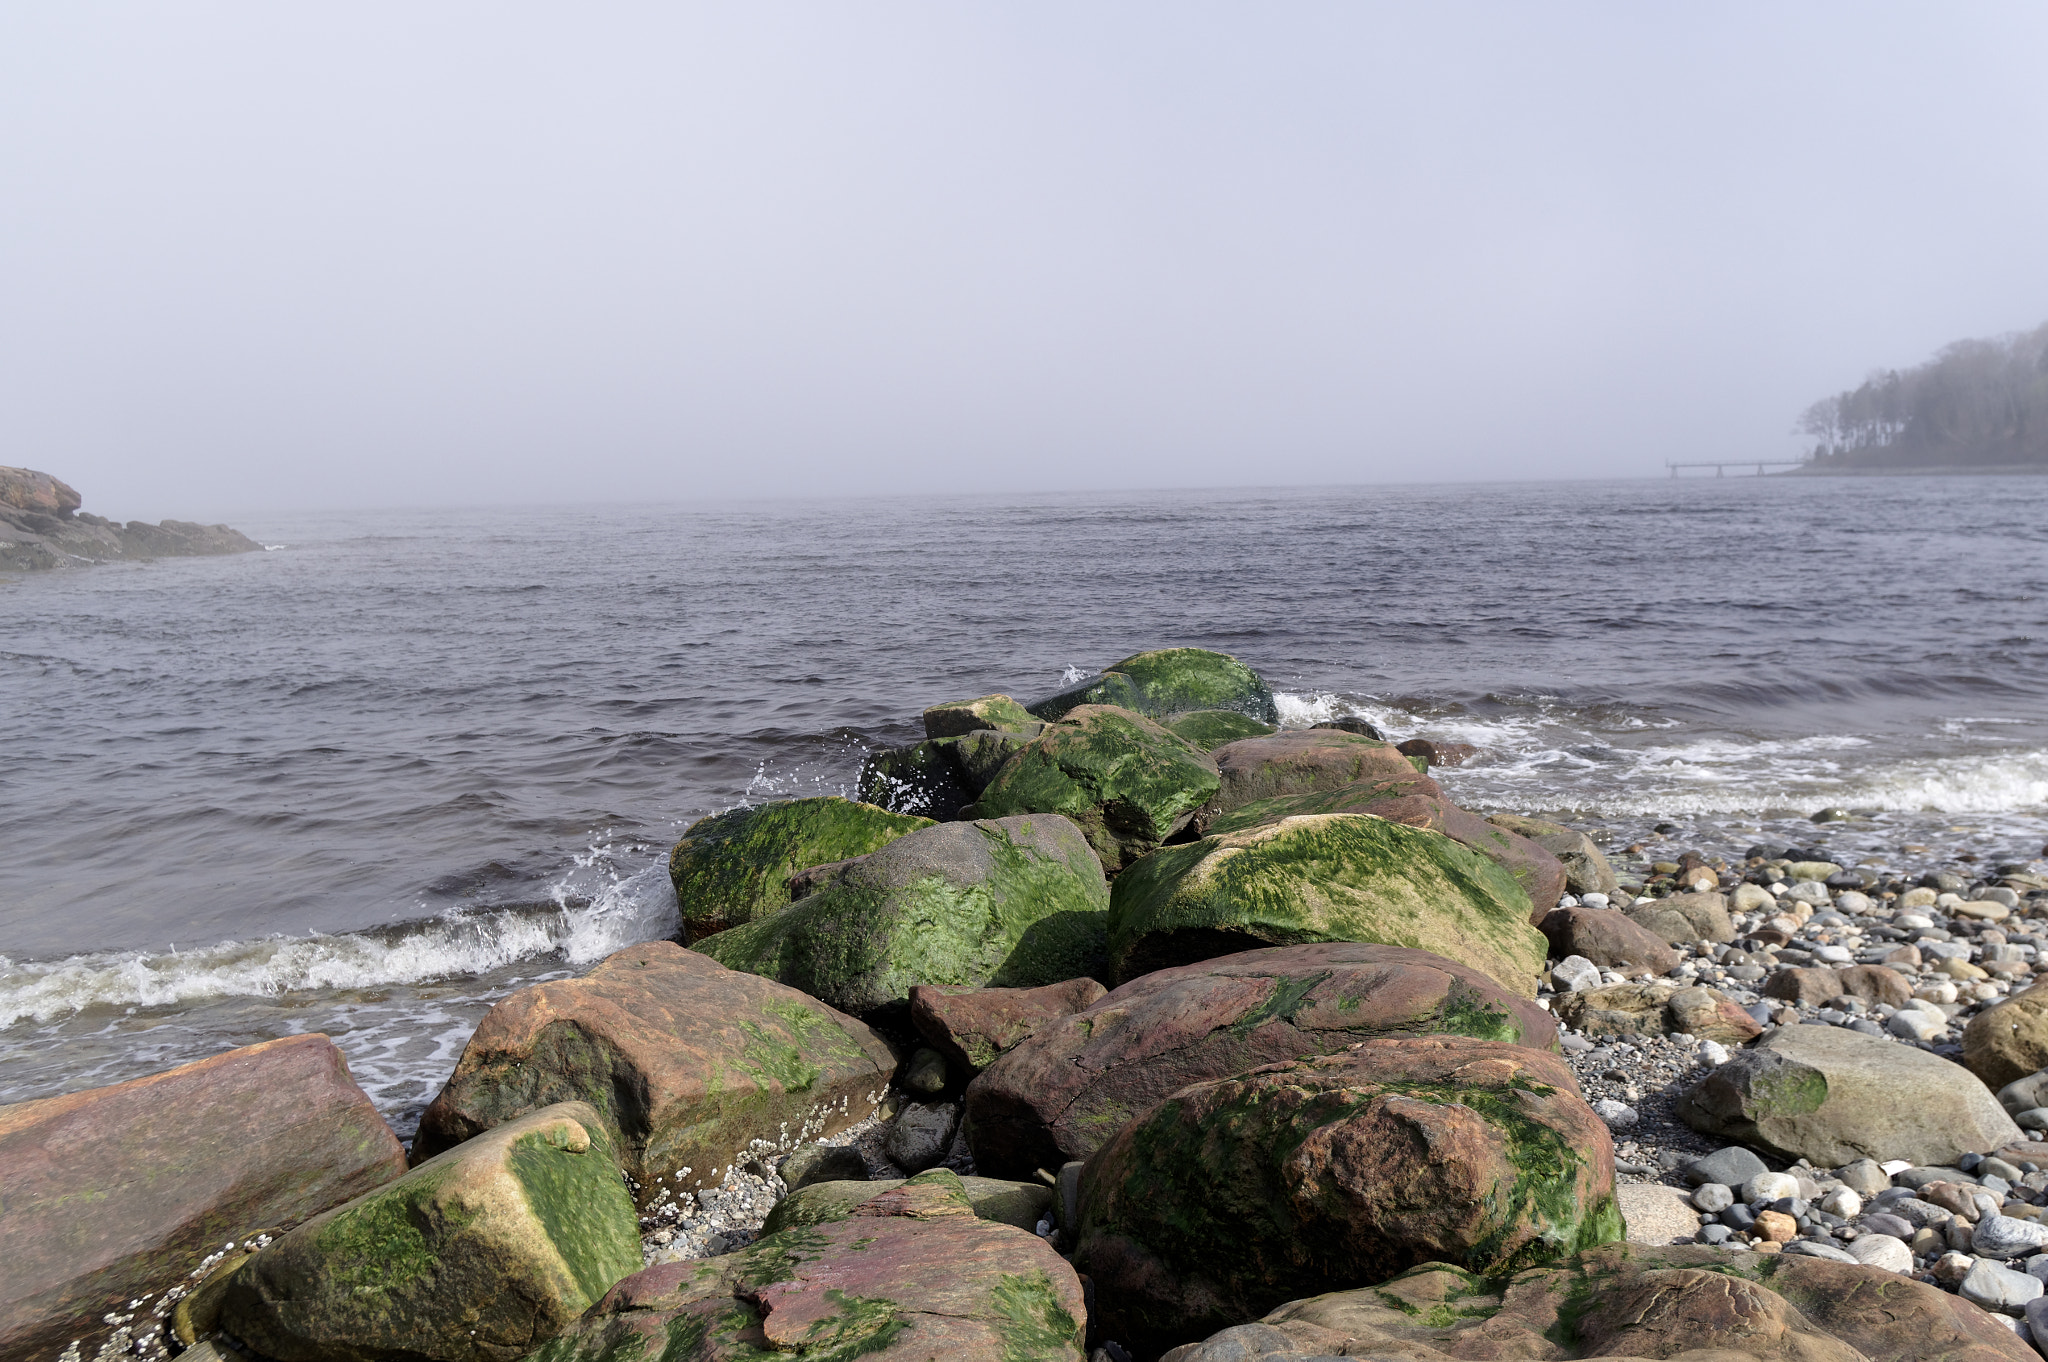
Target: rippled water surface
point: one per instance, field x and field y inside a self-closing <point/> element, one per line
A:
<point x="368" y="781"/>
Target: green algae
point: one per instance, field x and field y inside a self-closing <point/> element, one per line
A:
<point x="581" y="1204"/>
<point x="734" y="867"/>
<point x="1030" y="1320"/>
<point x="1209" y="729"/>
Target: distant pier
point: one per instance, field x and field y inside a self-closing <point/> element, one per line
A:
<point x="1721" y="469"/>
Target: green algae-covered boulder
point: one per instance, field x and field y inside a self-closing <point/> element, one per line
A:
<point x="1079" y="1079"/>
<point x="1013" y="902"/>
<point x="1419" y="802"/>
<point x="735" y="866"/>
<point x="478" y="1254"/>
<point x="693" y="1067"/>
<point x="913" y="1275"/>
<point x="1169" y="681"/>
<point x="1324" y="877"/>
<point x="922" y="780"/>
<point x="957" y="718"/>
<point x="1301" y="762"/>
<point x="981" y="754"/>
<point x="1125" y="781"/>
<point x="1632" y="1301"/>
<point x="1021" y="1204"/>
<point x="1209" y="729"/>
<point x="1235" y="1195"/>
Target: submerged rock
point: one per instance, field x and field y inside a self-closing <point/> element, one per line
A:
<point x="1169" y="681"/>
<point x="477" y="1255"/>
<point x="1069" y="1089"/>
<point x="736" y="866"/>
<point x="1323" y="877"/>
<point x="689" y="1063"/>
<point x="110" y="1194"/>
<point x="1127" y="783"/>
<point x="911" y="1274"/>
<point x="1833" y="1095"/>
<point x="1013" y="902"/>
<point x="1633" y="1301"/>
<point x="1233" y="1196"/>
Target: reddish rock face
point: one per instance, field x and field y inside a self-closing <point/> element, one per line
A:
<point x="24" y="489"/>
<point x="1067" y="1091"/>
<point x="974" y="1027"/>
<point x="1818" y="984"/>
<point x="1295" y="1179"/>
<point x="689" y="1061"/>
<point x="1608" y="938"/>
<point x="1303" y="762"/>
<point x="114" y="1194"/>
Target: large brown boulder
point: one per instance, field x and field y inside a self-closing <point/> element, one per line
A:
<point x="110" y="1195"/>
<point x="1608" y="938"/>
<point x="974" y="1027"/>
<point x="24" y="489"/>
<point x="477" y="1255"/>
<point x="1585" y="865"/>
<point x="912" y="1275"/>
<point x="1302" y="761"/>
<point x="2005" y="1043"/>
<point x="1235" y="1195"/>
<point x="1417" y="801"/>
<point x="1819" y="984"/>
<point x="1063" y="1094"/>
<point x="1652" y="1009"/>
<point x="1632" y="1301"/>
<point x="694" y="1067"/>
<point x="1684" y="918"/>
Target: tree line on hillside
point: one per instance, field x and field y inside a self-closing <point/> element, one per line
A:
<point x="1977" y="402"/>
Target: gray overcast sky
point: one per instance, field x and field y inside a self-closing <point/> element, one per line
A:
<point x="258" y="255"/>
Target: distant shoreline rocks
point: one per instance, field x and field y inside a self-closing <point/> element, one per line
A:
<point x="42" y="528"/>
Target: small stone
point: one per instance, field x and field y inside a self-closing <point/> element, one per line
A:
<point x="1864" y="1177"/>
<point x="1711" y="1053"/>
<point x="1998" y="1288"/>
<point x="1882" y="1251"/>
<point x="927" y="1072"/>
<point x="1842" y="1202"/>
<point x="1877" y="1222"/>
<point x="920" y="1136"/>
<point x="1715" y="1234"/>
<point x="1770" y="1187"/>
<point x="2034" y="1118"/>
<point x="1713" y="1197"/>
<point x="1574" y="974"/>
<point x="1777" y="1227"/>
<point x="1731" y="1167"/>
<point x="1815" y="1248"/>
<point x="1952" y="1267"/>
<point x="1617" y="1115"/>
<point x="2003" y="1236"/>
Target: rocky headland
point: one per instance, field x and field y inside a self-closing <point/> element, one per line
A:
<point x="1127" y="1024"/>
<point x="41" y="527"/>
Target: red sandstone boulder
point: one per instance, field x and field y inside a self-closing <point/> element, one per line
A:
<point x="1608" y="938"/>
<point x="111" y="1195"/>
<point x="1819" y="984"/>
<point x="694" y="1066"/>
<point x="974" y="1027"/>
<point x="1236" y="1195"/>
<point x="1069" y="1089"/>
<point x="1302" y="762"/>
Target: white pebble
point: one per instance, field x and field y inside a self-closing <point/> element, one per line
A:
<point x="1770" y="1186"/>
<point x="1712" y="1053"/>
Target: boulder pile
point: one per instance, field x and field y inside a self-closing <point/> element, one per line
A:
<point x="41" y="527"/>
<point x="1123" y="1024"/>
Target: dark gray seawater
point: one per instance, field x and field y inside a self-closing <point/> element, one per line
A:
<point x="371" y="780"/>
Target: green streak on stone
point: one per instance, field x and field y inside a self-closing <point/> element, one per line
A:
<point x="863" y="1325"/>
<point x="380" y="1245"/>
<point x="1286" y="1000"/>
<point x="1032" y="1323"/>
<point x="1786" y="1090"/>
<point x="583" y="1205"/>
<point x="1467" y="1012"/>
<point x="1209" y="729"/>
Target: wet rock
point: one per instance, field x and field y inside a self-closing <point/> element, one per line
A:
<point x="1329" y="877"/>
<point x="922" y="780"/>
<point x="1209" y="729"/>
<point x="1169" y="681"/>
<point x="1081" y="1078"/>
<point x="822" y="1163"/>
<point x="109" y="1194"/>
<point x="1606" y="936"/>
<point x="926" y="1072"/>
<point x="2006" y="1043"/>
<point x="1126" y="783"/>
<point x="736" y="866"/>
<point x="956" y="718"/>
<point x="689" y="1061"/>
<point x="1832" y="1095"/>
<point x="903" y="1280"/>
<point x="1437" y="753"/>
<point x="921" y="1134"/>
<point x="974" y="1027"/>
<point x="480" y="1253"/>
<point x="1234" y="1195"/>
<point x="1304" y="761"/>
<point x="1010" y="902"/>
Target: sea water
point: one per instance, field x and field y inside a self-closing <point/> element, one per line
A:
<point x="371" y="780"/>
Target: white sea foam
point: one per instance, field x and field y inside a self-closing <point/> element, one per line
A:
<point x="627" y="909"/>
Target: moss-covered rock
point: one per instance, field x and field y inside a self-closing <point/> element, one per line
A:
<point x="1323" y="877"/>
<point x="1062" y="1094"/>
<point x="979" y="755"/>
<point x="1169" y="681"/>
<point x="1021" y="1204"/>
<point x="1127" y="783"/>
<point x="922" y="779"/>
<point x="1234" y="1195"/>
<point x="901" y="1277"/>
<point x="1419" y="802"/>
<point x="1209" y="729"/>
<point x="693" y="1067"/>
<point x="1006" y="901"/>
<point x="478" y="1254"/>
<point x="735" y="866"/>
<point x="958" y="717"/>
<point x="1630" y="1300"/>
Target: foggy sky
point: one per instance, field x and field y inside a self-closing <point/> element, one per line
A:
<point x="258" y="255"/>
